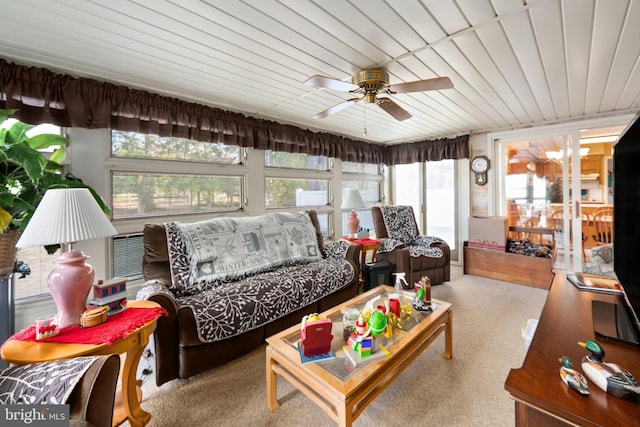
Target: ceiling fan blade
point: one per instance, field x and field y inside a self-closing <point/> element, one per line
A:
<point x="336" y="108"/>
<point x="329" y="83"/>
<point x="394" y="109"/>
<point x="422" y="85"/>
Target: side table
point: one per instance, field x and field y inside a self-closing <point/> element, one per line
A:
<point x="127" y="401"/>
<point x="366" y="245"/>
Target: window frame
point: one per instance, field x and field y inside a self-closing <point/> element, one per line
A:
<point x="377" y="178"/>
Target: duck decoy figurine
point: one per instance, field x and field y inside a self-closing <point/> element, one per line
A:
<point x="574" y="379"/>
<point x="608" y="376"/>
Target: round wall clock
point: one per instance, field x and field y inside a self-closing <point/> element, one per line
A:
<point x="480" y="165"/>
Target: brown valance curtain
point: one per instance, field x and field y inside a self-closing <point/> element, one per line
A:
<point x="42" y="96"/>
<point x="424" y="151"/>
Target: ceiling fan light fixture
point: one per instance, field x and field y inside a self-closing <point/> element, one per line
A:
<point x="369" y="84"/>
<point x="370" y="98"/>
<point x="372" y="80"/>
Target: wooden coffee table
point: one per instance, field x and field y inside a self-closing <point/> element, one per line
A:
<point x="339" y="388"/>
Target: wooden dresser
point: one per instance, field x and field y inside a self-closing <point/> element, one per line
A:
<point x="541" y="398"/>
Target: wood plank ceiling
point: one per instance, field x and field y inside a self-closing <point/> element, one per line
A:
<point x="514" y="63"/>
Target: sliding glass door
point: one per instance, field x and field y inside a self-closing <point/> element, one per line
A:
<point x="430" y="188"/>
<point x="558" y="182"/>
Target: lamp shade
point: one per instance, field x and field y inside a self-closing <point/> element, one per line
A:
<point x="352" y="199"/>
<point x="66" y="215"/>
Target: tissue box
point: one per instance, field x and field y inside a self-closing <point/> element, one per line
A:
<point x="488" y="232"/>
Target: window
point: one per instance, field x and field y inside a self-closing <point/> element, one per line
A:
<point x="146" y="195"/>
<point x="291" y="192"/>
<point x="432" y="185"/>
<point x="154" y="176"/>
<point x="441" y="201"/>
<point x="280" y="159"/>
<point x="127" y="256"/>
<point x="192" y="188"/>
<point x="298" y="181"/>
<point x="367" y="178"/>
<point x="137" y="145"/>
<point x="361" y="168"/>
<point x="39" y="262"/>
<point x="370" y="192"/>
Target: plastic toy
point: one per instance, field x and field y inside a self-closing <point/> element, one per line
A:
<point x="422" y="300"/>
<point x="377" y="323"/>
<point x="315" y="335"/>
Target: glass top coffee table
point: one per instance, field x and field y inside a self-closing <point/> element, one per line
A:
<point x="338" y="386"/>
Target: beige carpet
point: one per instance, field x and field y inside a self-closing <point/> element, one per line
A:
<point x="467" y="390"/>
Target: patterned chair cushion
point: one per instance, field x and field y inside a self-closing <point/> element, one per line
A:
<point x="600" y="270"/>
<point x="602" y="254"/>
<point x="403" y="232"/>
<point x="42" y="383"/>
<point x="601" y="263"/>
<point x="399" y="222"/>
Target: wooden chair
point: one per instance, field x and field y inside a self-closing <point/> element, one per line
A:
<point x="556" y="219"/>
<point x="602" y="220"/>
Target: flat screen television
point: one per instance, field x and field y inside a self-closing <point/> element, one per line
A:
<point x="626" y="240"/>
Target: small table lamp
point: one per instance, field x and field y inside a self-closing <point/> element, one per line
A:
<point x="65" y="216"/>
<point x="352" y="200"/>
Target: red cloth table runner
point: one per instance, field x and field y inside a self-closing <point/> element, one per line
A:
<point x="366" y="241"/>
<point x="116" y="327"/>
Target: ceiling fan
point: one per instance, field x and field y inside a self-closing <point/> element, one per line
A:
<point x="369" y="85"/>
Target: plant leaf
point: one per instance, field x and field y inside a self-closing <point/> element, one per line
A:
<point x="5" y="113"/>
<point x="46" y="140"/>
<point x="5" y="219"/>
<point x="17" y="133"/>
<point x="30" y="160"/>
<point x="58" y="155"/>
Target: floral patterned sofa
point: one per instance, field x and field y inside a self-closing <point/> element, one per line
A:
<point x="229" y="283"/>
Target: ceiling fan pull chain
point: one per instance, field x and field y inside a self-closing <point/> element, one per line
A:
<point x="364" y="129"/>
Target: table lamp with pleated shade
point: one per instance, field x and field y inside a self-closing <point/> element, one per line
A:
<point x="352" y="200"/>
<point x="66" y="216"/>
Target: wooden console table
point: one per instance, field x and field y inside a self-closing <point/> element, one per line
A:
<point x="541" y="398"/>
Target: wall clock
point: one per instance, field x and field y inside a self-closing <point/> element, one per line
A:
<point x="480" y="165"/>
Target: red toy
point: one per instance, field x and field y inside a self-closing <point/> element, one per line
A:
<point x="316" y="336"/>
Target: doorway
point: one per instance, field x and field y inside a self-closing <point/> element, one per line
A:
<point x="429" y="188"/>
<point x="558" y="181"/>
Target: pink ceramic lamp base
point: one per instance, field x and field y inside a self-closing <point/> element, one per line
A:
<point x="69" y="284"/>
<point x="353" y="222"/>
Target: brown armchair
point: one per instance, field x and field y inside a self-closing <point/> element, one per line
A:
<point x="90" y="400"/>
<point x="406" y="250"/>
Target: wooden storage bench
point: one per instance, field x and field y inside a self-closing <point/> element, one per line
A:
<point x="515" y="268"/>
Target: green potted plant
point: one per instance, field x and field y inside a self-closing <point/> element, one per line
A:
<point x="25" y="175"/>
